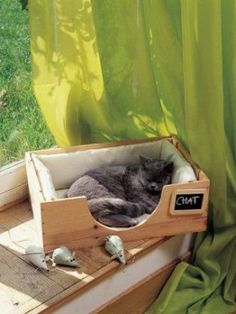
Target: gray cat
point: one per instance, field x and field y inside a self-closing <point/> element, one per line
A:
<point x="118" y="194"/>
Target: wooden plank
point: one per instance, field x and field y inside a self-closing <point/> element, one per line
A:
<point x="13" y="203"/>
<point x="21" y="286"/>
<point x="13" y="176"/>
<point x="90" y="261"/>
<point x="146" y="246"/>
<point x="17" y="217"/>
<point x="99" y="145"/>
<point x="139" y="297"/>
<point x="96" y="257"/>
<point x="109" y="268"/>
<point x="13" y="196"/>
<point x="14" y="186"/>
<point x="21" y="211"/>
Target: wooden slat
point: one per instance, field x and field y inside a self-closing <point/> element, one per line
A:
<point x="13" y="196"/>
<point x="21" y="211"/>
<point x="21" y="286"/>
<point x="12" y="176"/>
<point x="13" y="187"/>
<point x="98" y="145"/>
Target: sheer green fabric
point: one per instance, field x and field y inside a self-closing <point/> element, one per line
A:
<point x="117" y="69"/>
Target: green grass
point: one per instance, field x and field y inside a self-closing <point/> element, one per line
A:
<point x="22" y="127"/>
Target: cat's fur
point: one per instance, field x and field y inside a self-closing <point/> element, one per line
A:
<point x="118" y="194"/>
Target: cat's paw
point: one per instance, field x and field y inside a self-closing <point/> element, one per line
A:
<point x="149" y="210"/>
<point x="133" y="222"/>
<point x="135" y="210"/>
<point x="119" y="221"/>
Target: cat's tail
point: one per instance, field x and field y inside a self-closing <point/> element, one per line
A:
<point x="113" y="206"/>
<point x="114" y="212"/>
<point x="120" y="221"/>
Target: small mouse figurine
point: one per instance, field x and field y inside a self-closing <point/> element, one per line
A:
<point x="36" y="256"/>
<point x="114" y="245"/>
<point x="63" y="256"/>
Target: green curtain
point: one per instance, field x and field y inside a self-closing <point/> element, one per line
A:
<point x="115" y="69"/>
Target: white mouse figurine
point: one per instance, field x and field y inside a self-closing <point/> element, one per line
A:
<point x="36" y="256"/>
<point x="63" y="256"/>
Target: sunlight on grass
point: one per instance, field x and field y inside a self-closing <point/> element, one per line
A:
<point x="14" y="148"/>
<point x="22" y="127"/>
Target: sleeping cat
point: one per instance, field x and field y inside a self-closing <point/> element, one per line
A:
<point x="118" y="194"/>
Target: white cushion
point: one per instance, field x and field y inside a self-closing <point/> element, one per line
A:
<point x="183" y="172"/>
<point x="67" y="167"/>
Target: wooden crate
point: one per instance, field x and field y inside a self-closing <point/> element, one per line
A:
<point x="68" y="221"/>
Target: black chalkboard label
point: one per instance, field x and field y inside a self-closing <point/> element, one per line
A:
<point x="188" y="201"/>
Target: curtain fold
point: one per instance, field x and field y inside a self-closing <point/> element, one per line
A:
<point x="118" y="69"/>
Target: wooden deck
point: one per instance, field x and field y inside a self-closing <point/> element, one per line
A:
<point x="23" y="289"/>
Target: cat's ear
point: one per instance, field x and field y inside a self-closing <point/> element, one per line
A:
<point x="144" y="161"/>
<point x="169" y="166"/>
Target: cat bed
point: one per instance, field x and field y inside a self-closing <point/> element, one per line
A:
<point x="55" y="170"/>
